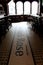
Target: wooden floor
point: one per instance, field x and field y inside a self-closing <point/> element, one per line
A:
<point x="31" y="47"/>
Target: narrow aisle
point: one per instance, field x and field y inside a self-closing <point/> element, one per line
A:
<point x="21" y="53"/>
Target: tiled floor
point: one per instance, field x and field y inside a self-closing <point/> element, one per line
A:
<point x="35" y="42"/>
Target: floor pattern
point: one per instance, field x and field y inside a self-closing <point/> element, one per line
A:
<point x="21" y="53"/>
<point x="23" y="44"/>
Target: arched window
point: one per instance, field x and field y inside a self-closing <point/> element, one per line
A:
<point x="27" y="7"/>
<point x="19" y="7"/>
<point x="11" y="6"/>
<point x="34" y="8"/>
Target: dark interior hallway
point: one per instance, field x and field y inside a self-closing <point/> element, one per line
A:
<point x="21" y="46"/>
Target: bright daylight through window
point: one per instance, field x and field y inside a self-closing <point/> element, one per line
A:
<point x="11" y="6"/>
<point x="34" y="8"/>
<point x="27" y="7"/>
<point x="19" y="8"/>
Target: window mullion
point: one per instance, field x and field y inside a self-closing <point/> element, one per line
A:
<point x="30" y="8"/>
<point x="23" y="8"/>
<point x="15" y="8"/>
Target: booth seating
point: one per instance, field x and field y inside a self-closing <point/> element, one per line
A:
<point x="41" y="25"/>
<point x="9" y="22"/>
<point x="37" y="26"/>
<point x="4" y="26"/>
